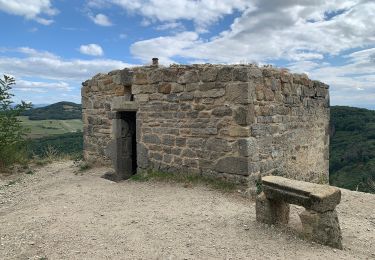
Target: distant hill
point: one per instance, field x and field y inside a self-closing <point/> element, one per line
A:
<point x="352" y="148"/>
<point x="60" y="111"/>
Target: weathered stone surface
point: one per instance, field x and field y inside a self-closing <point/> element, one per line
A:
<point x="208" y="74"/>
<point x="222" y="111"/>
<point x="240" y="116"/>
<point x="323" y="228"/>
<point x="216" y="144"/>
<point x="313" y="196"/>
<point x="237" y="131"/>
<point x="122" y="104"/>
<point x="155" y="76"/>
<point x="142" y="156"/>
<point x="238" y="93"/>
<point x="233" y="165"/>
<point x="212" y="93"/>
<point x="240" y="74"/>
<point x="140" y="78"/>
<point x="271" y="211"/>
<point x="189" y="76"/>
<point x="217" y="111"/>
<point x="123" y="77"/>
<point x="151" y="138"/>
<point x="225" y="74"/>
<point x="165" y="88"/>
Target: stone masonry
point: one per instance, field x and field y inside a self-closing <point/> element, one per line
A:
<point x="237" y="122"/>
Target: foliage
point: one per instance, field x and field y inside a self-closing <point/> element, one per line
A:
<point x="56" y="145"/>
<point x="352" y="148"/>
<point x="59" y="111"/>
<point x="12" y="134"/>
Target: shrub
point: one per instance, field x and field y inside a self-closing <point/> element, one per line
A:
<point x="12" y="134"/>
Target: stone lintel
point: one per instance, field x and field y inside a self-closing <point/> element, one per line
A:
<point x="313" y="196"/>
<point x="121" y="104"/>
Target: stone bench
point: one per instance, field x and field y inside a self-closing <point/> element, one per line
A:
<point x="319" y="220"/>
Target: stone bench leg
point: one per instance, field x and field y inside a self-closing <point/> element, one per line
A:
<point x="271" y="211"/>
<point x="323" y="228"/>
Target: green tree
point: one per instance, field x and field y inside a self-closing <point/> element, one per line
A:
<point x="12" y="134"/>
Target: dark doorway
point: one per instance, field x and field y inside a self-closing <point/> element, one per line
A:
<point x="126" y="145"/>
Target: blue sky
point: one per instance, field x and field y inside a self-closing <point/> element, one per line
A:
<point x="51" y="46"/>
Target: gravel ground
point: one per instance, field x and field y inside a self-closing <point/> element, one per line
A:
<point x="60" y="213"/>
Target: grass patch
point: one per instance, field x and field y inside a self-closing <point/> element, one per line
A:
<point x="189" y="180"/>
<point x="84" y="167"/>
<point x="43" y="128"/>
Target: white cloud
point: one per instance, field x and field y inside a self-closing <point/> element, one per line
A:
<point x="42" y="86"/>
<point x="101" y="19"/>
<point x="202" y="13"/>
<point x="48" y="66"/>
<point x="272" y="30"/>
<point x="170" y="26"/>
<point x="165" y="47"/>
<point x="91" y="49"/>
<point x="352" y="83"/>
<point x="30" y="9"/>
<point x="49" y="75"/>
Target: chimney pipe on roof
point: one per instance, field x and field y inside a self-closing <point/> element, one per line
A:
<point x="155" y="61"/>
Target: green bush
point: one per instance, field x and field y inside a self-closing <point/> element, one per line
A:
<point x="12" y="134"/>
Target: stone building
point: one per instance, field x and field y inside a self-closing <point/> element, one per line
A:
<point x="231" y="121"/>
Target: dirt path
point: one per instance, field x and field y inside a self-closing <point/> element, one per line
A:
<point x="56" y="214"/>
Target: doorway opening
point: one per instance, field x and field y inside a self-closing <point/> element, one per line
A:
<point x="126" y="143"/>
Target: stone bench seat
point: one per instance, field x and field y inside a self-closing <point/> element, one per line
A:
<point x="312" y="196"/>
<point x="319" y="220"/>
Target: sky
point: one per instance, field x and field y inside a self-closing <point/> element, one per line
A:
<point x="52" y="46"/>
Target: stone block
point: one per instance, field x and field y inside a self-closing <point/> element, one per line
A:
<point x="142" y="156"/>
<point x="191" y="87"/>
<point x="168" y="140"/>
<point x="177" y="88"/>
<point x="204" y="131"/>
<point x="323" y="228"/>
<point x="185" y="96"/>
<point x="222" y="111"/>
<point x="217" y="144"/>
<point x="237" y="131"/>
<point x="240" y="116"/>
<point x="165" y="88"/>
<point x="195" y="142"/>
<point x="180" y="141"/>
<point x="225" y="74"/>
<point x="208" y="74"/>
<point x="320" y="198"/>
<point x="240" y="74"/>
<point x="238" y="93"/>
<point x="188" y="76"/>
<point x="151" y="139"/>
<point x="254" y="72"/>
<point x="119" y="90"/>
<point x="232" y="165"/>
<point x="155" y="76"/>
<point x="141" y="98"/>
<point x="170" y="74"/>
<point x="270" y="211"/>
<point x="190" y="162"/>
<point x="207" y="86"/>
<point x="213" y="93"/>
<point x="123" y="77"/>
<point x="140" y="78"/>
<point x="188" y="153"/>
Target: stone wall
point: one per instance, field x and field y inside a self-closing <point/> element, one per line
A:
<point x="236" y="122"/>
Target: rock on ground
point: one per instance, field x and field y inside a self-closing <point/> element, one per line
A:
<point x="59" y="213"/>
